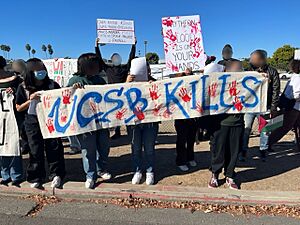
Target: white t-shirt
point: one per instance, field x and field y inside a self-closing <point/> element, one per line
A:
<point x="292" y="90"/>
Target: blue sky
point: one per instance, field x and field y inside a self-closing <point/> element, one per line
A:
<point x="70" y="25"/>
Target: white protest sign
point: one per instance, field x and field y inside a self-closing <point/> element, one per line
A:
<point x="9" y="133"/>
<point x="297" y="54"/>
<point x="139" y="69"/>
<point x="61" y="70"/>
<point x="115" y="31"/>
<point x="183" y="43"/>
<point x="70" y="112"/>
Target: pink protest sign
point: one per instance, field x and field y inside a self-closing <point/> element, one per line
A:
<point x="183" y="43"/>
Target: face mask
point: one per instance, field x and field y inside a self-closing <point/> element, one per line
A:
<point x="117" y="61"/>
<point x="40" y="75"/>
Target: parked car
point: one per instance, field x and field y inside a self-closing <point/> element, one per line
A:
<point x="285" y="76"/>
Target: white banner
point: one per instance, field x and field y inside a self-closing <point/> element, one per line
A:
<point x="115" y="31"/>
<point x="183" y="43"/>
<point x="67" y="112"/>
<point x="9" y="133"/>
<point x="61" y="70"/>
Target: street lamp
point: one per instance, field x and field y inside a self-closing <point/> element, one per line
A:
<point x="145" y="42"/>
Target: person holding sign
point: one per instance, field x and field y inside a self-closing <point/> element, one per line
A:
<point x="11" y="163"/>
<point x="95" y="145"/>
<point x="142" y="135"/>
<point x="27" y="98"/>
<point x="116" y="73"/>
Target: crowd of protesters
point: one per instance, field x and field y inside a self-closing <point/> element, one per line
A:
<point x="228" y="133"/>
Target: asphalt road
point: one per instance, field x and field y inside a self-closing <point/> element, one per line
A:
<point x="13" y="211"/>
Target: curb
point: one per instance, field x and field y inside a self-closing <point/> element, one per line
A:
<point x="77" y="191"/>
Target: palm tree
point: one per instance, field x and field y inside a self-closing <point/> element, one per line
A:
<point x="44" y="49"/>
<point x="50" y="50"/>
<point x="28" y="48"/>
<point x="8" y="50"/>
<point x="33" y="52"/>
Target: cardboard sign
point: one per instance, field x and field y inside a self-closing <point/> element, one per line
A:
<point x="297" y="54"/>
<point x="139" y="69"/>
<point x="61" y="70"/>
<point x="183" y="43"/>
<point x="115" y="31"/>
<point x="67" y="112"/>
<point x="9" y="133"/>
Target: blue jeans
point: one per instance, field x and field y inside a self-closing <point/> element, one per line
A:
<point x="11" y="168"/>
<point x="143" y="135"/>
<point x="264" y="137"/>
<point x="95" y="150"/>
<point x="74" y="142"/>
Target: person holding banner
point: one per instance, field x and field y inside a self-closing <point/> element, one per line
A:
<point x="95" y="145"/>
<point x="11" y="166"/>
<point x="116" y="73"/>
<point x="258" y="62"/>
<point x="226" y="142"/>
<point x="27" y="98"/>
<point x="227" y="53"/>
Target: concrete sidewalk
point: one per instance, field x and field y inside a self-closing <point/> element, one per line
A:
<point x="77" y="191"/>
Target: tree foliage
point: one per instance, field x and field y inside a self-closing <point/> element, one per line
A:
<point x="281" y="57"/>
<point x="152" y="57"/>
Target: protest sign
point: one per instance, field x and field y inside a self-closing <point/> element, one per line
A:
<point x="139" y="69"/>
<point x="61" y="70"/>
<point x="115" y="31"/>
<point x="297" y="54"/>
<point x="67" y="112"/>
<point x="9" y="134"/>
<point x="183" y="43"/>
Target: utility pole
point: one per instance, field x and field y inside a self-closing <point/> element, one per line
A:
<point x="145" y="42"/>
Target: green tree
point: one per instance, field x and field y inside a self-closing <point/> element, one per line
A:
<point x="281" y="57"/>
<point x="33" y="52"/>
<point x="152" y="57"/>
<point x="28" y="48"/>
<point x="2" y="48"/>
<point x="245" y="63"/>
<point x="44" y="49"/>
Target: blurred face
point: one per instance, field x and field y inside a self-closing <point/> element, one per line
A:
<point x="93" y="69"/>
<point x="235" y="67"/>
<point x="227" y="54"/>
<point x="17" y="67"/>
<point x="116" y="60"/>
<point x="257" y="61"/>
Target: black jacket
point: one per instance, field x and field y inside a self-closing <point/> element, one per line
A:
<point x="274" y="85"/>
<point x="224" y="62"/>
<point x="116" y="74"/>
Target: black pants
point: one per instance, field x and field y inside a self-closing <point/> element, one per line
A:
<point x="186" y="133"/>
<point x="225" y="145"/>
<point x="38" y="146"/>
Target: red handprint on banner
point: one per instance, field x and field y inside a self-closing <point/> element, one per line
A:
<point x="167" y="22"/>
<point x="139" y="113"/>
<point x="170" y="35"/>
<point x="66" y="94"/>
<point x="120" y="114"/>
<point x="212" y="90"/>
<point x="194" y="42"/>
<point x="194" y="27"/>
<point x="154" y="92"/>
<point x="238" y="104"/>
<point x="168" y="112"/>
<point x="172" y="66"/>
<point x="72" y="127"/>
<point x="199" y="108"/>
<point x="232" y="89"/>
<point x="184" y="95"/>
<point x="46" y="101"/>
<point x="63" y="116"/>
<point x="156" y="110"/>
<point x="50" y="125"/>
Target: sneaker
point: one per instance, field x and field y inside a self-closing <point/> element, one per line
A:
<point x="213" y="183"/>
<point x="56" y="182"/>
<point x="35" y="185"/>
<point x="89" y="184"/>
<point x="104" y="175"/>
<point x="231" y="183"/>
<point x="5" y="182"/>
<point x="16" y="183"/>
<point x="183" y="168"/>
<point x="149" y="178"/>
<point x="193" y="163"/>
<point x="263" y="155"/>
<point x="137" y="178"/>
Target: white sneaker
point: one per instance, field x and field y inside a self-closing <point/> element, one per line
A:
<point x="149" y="178"/>
<point x="193" y="163"/>
<point x="183" y="168"/>
<point x="104" y="175"/>
<point x="89" y="184"/>
<point x="56" y="182"/>
<point x="137" y="178"/>
<point x="35" y="185"/>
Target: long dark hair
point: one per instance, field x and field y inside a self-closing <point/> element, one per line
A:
<point x="294" y="66"/>
<point x="30" y="77"/>
<point x="85" y="61"/>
